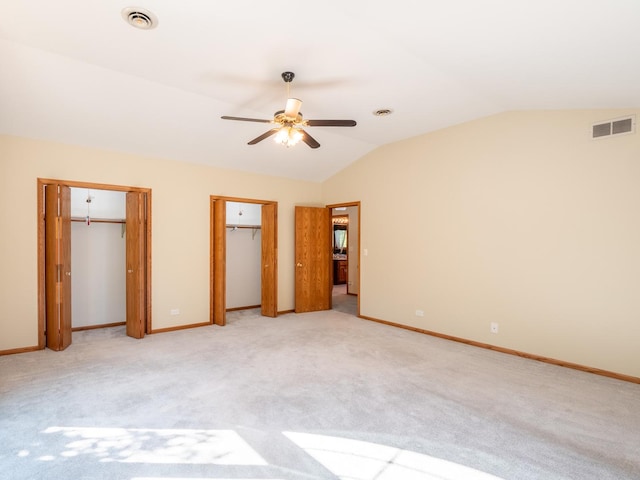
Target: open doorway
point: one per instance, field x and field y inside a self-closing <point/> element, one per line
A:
<point x="98" y="257"/>
<point x="244" y="252"/>
<point x="316" y="262"/>
<point x="253" y="224"/>
<point x="56" y="222"/>
<point x="345" y="248"/>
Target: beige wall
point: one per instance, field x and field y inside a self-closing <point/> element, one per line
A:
<point x="180" y="245"/>
<point x="520" y="219"/>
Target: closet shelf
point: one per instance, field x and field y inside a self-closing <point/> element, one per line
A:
<point x="254" y="229"/>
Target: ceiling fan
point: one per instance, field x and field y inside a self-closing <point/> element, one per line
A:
<point x="289" y="122"/>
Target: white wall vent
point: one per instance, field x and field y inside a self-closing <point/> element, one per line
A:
<point x="617" y="126"/>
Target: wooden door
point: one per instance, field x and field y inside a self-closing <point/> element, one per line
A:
<point x="313" y="259"/>
<point x="269" y="259"/>
<point x="58" y="265"/>
<point x="219" y="258"/>
<point x="135" y="260"/>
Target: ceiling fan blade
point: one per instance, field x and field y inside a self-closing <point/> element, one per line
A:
<point x="263" y="136"/>
<point x="331" y="123"/>
<point x="309" y="140"/>
<point x="243" y="119"/>
<point x="293" y="107"/>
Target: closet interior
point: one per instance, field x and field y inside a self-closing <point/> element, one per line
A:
<point x="98" y="258"/>
<point x="243" y="242"/>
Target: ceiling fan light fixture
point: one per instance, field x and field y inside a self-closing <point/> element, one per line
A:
<point x="288" y="136"/>
<point x="289" y="121"/>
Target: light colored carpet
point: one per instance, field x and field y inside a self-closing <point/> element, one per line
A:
<point x="342" y="302"/>
<point x="322" y="395"/>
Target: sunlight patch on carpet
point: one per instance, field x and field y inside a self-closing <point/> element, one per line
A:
<point x="358" y="460"/>
<point x="148" y="445"/>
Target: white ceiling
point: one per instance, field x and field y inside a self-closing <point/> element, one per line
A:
<point x="73" y="71"/>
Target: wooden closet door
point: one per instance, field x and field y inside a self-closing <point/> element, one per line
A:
<point x="313" y="258"/>
<point x="135" y="260"/>
<point x="58" y="265"/>
<point x="269" y="260"/>
<point x="219" y="294"/>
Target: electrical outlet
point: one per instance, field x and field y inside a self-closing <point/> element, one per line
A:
<point x="419" y="313"/>
<point x="494" y="327"/>
<point x="175" y="311"/>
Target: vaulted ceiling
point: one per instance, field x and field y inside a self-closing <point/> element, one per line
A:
<point x="74" y="71"/>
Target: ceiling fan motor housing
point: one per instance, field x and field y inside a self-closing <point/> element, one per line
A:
<point x="288" y="76"/>
<point x="281" y="117"/>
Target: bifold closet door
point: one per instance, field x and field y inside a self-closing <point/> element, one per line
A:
<point x="135" y="261"/>
<point x="269" y="260"/>
<point x="219" y="254"/>
<point x="58" y="265"/>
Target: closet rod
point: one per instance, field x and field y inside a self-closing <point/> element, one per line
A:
<point x="244" y="226"/>
<point x="97" y="220"/>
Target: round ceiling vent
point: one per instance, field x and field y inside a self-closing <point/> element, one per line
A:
<point x="383" y="112"/>
<point x="140" y="18"/>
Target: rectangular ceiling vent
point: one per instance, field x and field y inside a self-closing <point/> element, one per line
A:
<point x="617" y="126"/>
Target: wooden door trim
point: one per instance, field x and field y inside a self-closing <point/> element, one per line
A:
<point x="359" y="205"/>
<point x="41" y="182"/>
<point x="212" y="200"/>
<point x="95" y="186"/>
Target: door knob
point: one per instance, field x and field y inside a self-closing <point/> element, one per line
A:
<point x="68" y="274"/>
<point x="129" y="271"/>
<point x="298" y="264"/>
